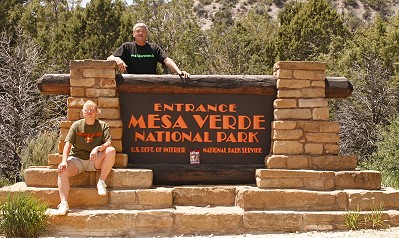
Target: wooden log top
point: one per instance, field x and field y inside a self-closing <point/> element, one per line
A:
<point x="336" y="87"/>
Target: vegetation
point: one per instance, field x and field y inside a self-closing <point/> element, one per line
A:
<point x="22" y="216"/>
<point x="354" y="219"/>
<point x="41" y="36"/>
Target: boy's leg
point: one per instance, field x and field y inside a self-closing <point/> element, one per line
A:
<point x="63" y="180"/>
<point x="105" y="161"/>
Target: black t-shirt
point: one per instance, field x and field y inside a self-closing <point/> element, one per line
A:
<point x="140" y="59"/>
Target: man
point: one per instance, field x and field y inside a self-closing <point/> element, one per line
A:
<point x="141" y="57"/>
<point x="87" y="148"/>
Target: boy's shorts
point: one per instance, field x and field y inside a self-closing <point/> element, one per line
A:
<point x="82" y="165"/>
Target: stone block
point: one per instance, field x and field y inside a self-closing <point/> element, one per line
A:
<point x="73" y="114"/>
<point x="314" y="149"/>
<point x="289" y="93"/>
<point x="121" y="160"/>
<point x="77" y="91"/>
<point x="313" y="102"/>
<point x="283" y="74"/>
<point x="130" y="178"/>
<point x="51" y="197"/>
<point x="66" y="124"/>
<point x="141" y="198"/>
<point x="318" y="84"/>
<point x="333" y="162"/>
<point x="387" y="199"/>
<point x="321" y="114"/>
<point x="75" y="102"/>
<point x="283" y="125"/>
<point x="82" y="82"/>
<point x="292" y="199"/>
<point x="331" y="149"/>
<point x="116" y="133"/>
<point x="287" y="134"/>
<point x="280" y="183"/>
<point x="114" y="123"/>
<point x="370" y="180"/>
<point x="287" y="147"/>
<point x="297" y="162"/>
<point x="285" y="103"/>
<point x="276" y="161"/>
<point x="118" y="178"/>
<point x="117" y="144"/>
<point x="210" y="220"/>
<point x="322" y="137"/>
<point x="300" y="114"/>
<point x="63" y="133"/>
<point x="75" y="74"/>
<point x="269" y="221"/>
<point x="109" y="114"/>
<point x="313" y="93"/>
<point x="45" y="177"/>
<point x="108" y="82"/>
<point x="155" y="198"/>
<point x="99" y="73"/>
<point x="309" y="74"/>
<point x="329" y="126"/>
<point x="100" y="92"/>
<point x="292" y="83"/>
<point x="292" y="65"/>
<point x="204" y="196"/>
<point x="105" y="102"/>
<point x="89" y="63"/>
<point x="61" y="145"/>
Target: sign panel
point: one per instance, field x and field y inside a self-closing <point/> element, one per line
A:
<point x="196" y="128"/>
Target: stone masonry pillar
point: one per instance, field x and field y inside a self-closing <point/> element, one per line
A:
<point x="302" y="135"/>
<point x="94" y="80"/>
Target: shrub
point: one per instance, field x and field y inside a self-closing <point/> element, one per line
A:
<point x="22" y="216"/>
<point x="38" y="149"/>
<point x="386" y="157"/>
<point x="4" y="181"/>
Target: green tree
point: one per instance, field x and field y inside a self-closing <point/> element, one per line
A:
<point x="101" y="28"/>
<point x="385" y="159"/>
<point x="306" y="30"/>
<point x="248" y="47"/>
<point x="375" y="99"/>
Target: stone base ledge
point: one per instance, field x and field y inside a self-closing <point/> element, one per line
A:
<point x="312" y="162"/>
<point x="307" y="200"/>
<point x="197" y="221"/>
<point x="118" y="178"/>
<point x="121" y="160"/>
<point x="318" y="180"/>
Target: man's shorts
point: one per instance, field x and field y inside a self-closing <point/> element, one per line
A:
<point x="82" y="165"/>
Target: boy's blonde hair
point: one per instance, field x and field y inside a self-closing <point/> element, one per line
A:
<point x="91" y="104"/>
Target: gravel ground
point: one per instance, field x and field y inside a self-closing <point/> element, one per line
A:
<point x="385" y="233"/>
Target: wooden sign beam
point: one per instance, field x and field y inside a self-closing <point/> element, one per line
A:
<point x="336" y="87"/>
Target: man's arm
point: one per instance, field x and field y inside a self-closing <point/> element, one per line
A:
<point x="172" y="66"/>
<point x="121" y="65"/>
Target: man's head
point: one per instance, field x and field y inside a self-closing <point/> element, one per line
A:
<point x="90" y="108"/>
<point x="140" y="33"/>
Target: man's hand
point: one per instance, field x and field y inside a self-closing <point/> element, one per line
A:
<point x="185" y="77"/>
<point x="119" y="62"/>
<point x="62" y="166"/>
<point x="93" y="153"/>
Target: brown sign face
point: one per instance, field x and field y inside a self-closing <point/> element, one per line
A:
<point x="196" y="128"/>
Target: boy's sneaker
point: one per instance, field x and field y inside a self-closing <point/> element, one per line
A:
<point x="102" y="188"/>
<point x="63" y="208"/>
